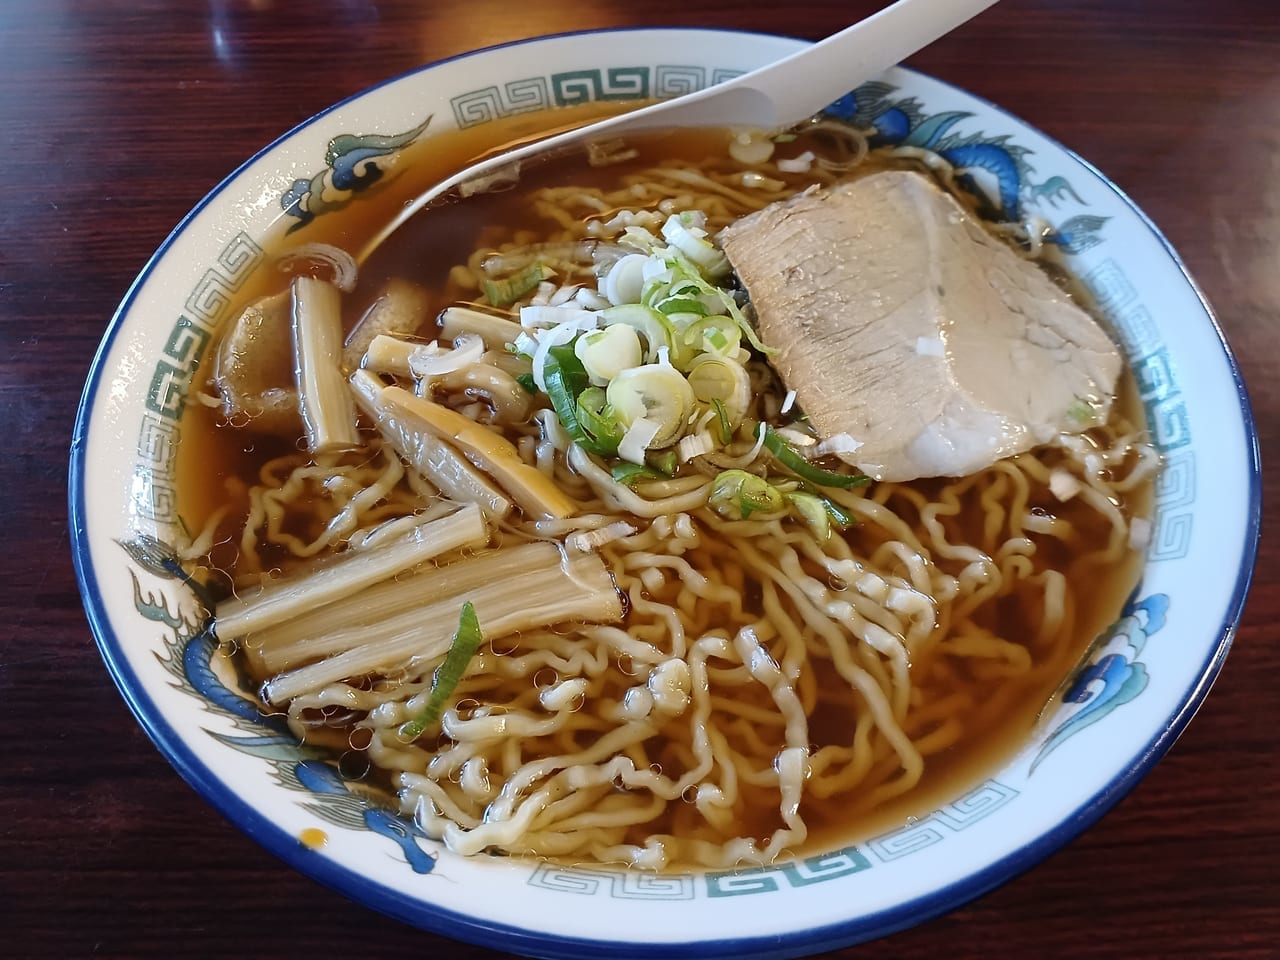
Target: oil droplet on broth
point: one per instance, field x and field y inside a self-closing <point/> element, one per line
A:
<point x="313" y="838"/>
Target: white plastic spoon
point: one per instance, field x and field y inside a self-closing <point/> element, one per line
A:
<point x="773" y="97"/>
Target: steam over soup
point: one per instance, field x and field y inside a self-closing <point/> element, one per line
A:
<point x="525" y="526"/>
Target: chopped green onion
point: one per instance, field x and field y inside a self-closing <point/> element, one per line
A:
<point x="564" y="357"/>
<point x="742" y="493"/>
<point x="686" y="280"/>
<point x="600" y="421"/>
<point x="650" y="324"/>
<point x="633" y="473"/>
<point x="504" y="292"/>
<point x="812" y="511"/>
<point x="801" y="467"/>
<point x="682" y="305"/>
<point x="466" y="641"/>
<point x="565" y="380"/>
<point x="716" y="340"/>
<point x="722" y="417"/>
<point x="566" y="408"/>
<point x="657" y="392"/>
<point x="664" y="461"/>
<point x="590" y="425"/>
<point x="563" y="400"/>
<point x="713" y="377"/>
<point x="607" y="352"/>
<point x="684" y="233"/>
<point x="841" y="517"/>
<point x="526" y="380"/>
<point x="1083" y="412"/>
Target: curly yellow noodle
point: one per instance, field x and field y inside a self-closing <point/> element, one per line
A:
<point x="766" y="675"/>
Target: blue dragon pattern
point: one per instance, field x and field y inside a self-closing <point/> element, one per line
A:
<point x="191" y="657"/>
<point x="992" y="169"/>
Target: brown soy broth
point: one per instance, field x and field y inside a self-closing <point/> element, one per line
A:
<point x="210" y="460"/>
<point x="423" y="250"/>
<point x="427" y="246"/>
<point x="1002" y="721"/>
<point x="214" y="463"/>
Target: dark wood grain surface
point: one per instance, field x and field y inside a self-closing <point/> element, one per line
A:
<point x="116" y="117"/>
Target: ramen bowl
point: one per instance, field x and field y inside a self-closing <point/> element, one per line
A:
<point x="1140" y="684"/>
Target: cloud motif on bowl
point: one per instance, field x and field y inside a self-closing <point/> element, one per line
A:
<point x="1110" y="674"/>
<point x="351" y="167"/>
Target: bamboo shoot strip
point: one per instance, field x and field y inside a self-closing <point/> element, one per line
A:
<point x="400" y="309"/>
<point x="494" y="331"/>
<point x="435" y="459"/>
<point x="578" y="589"/>
<point x="350" y="573"/>
<point x="390" y="355"/>
<point x="425" y="361"/>
<point x="388" y="607"/>
<point x="328" y="412"/>
<point x="532" y="489"/>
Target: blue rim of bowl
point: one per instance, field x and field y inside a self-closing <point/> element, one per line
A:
<point x="415" y="912"/>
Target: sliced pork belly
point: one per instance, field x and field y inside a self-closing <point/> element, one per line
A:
<point x="900" y="321"/>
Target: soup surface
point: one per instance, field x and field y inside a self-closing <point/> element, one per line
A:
<point x="758" y="681"/>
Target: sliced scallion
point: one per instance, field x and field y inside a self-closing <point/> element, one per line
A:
<point x="812" y="511"/>
<point x="657" y="392"/>
<point x="564" y="401"/>
<point x="633" y="473"/>
<point x="683" y="305"/>
<point x="590" y="425"/>
<point x="841" y="517"/>
<point x="648" y="323"/>
<point x="736" y="494"/>
<point x="718" y="378"/>
<point x="599" y="421"/>
<point x="664" y="461"/>
<point x="506" y="291"/>
<point x="606" y="353"/>
<point x="722" y="418"/>
<point x="466" y="641"/>
<point x="793" y="461"/>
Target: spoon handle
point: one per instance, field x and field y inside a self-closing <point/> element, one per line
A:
<point x="771" y="97"/>
<point x="804" y="82"/>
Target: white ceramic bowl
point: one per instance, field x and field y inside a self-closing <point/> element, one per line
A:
<point x="1148" y="680"/>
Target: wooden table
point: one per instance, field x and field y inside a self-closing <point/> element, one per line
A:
<point x="117" y="117"/>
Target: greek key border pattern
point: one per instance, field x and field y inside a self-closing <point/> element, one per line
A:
<point x="189" y="337"/>
<point x="617" y="885"/>
<point x="569" y="87"/>
<point x="800" y="873"/>
<point x="974" y="806"/>
<point x="622" y="885"/>
<point x="954" y="817"/>
<point x="1166" y="410"/>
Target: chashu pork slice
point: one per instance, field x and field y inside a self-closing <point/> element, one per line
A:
<point x="900" y="321"/>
